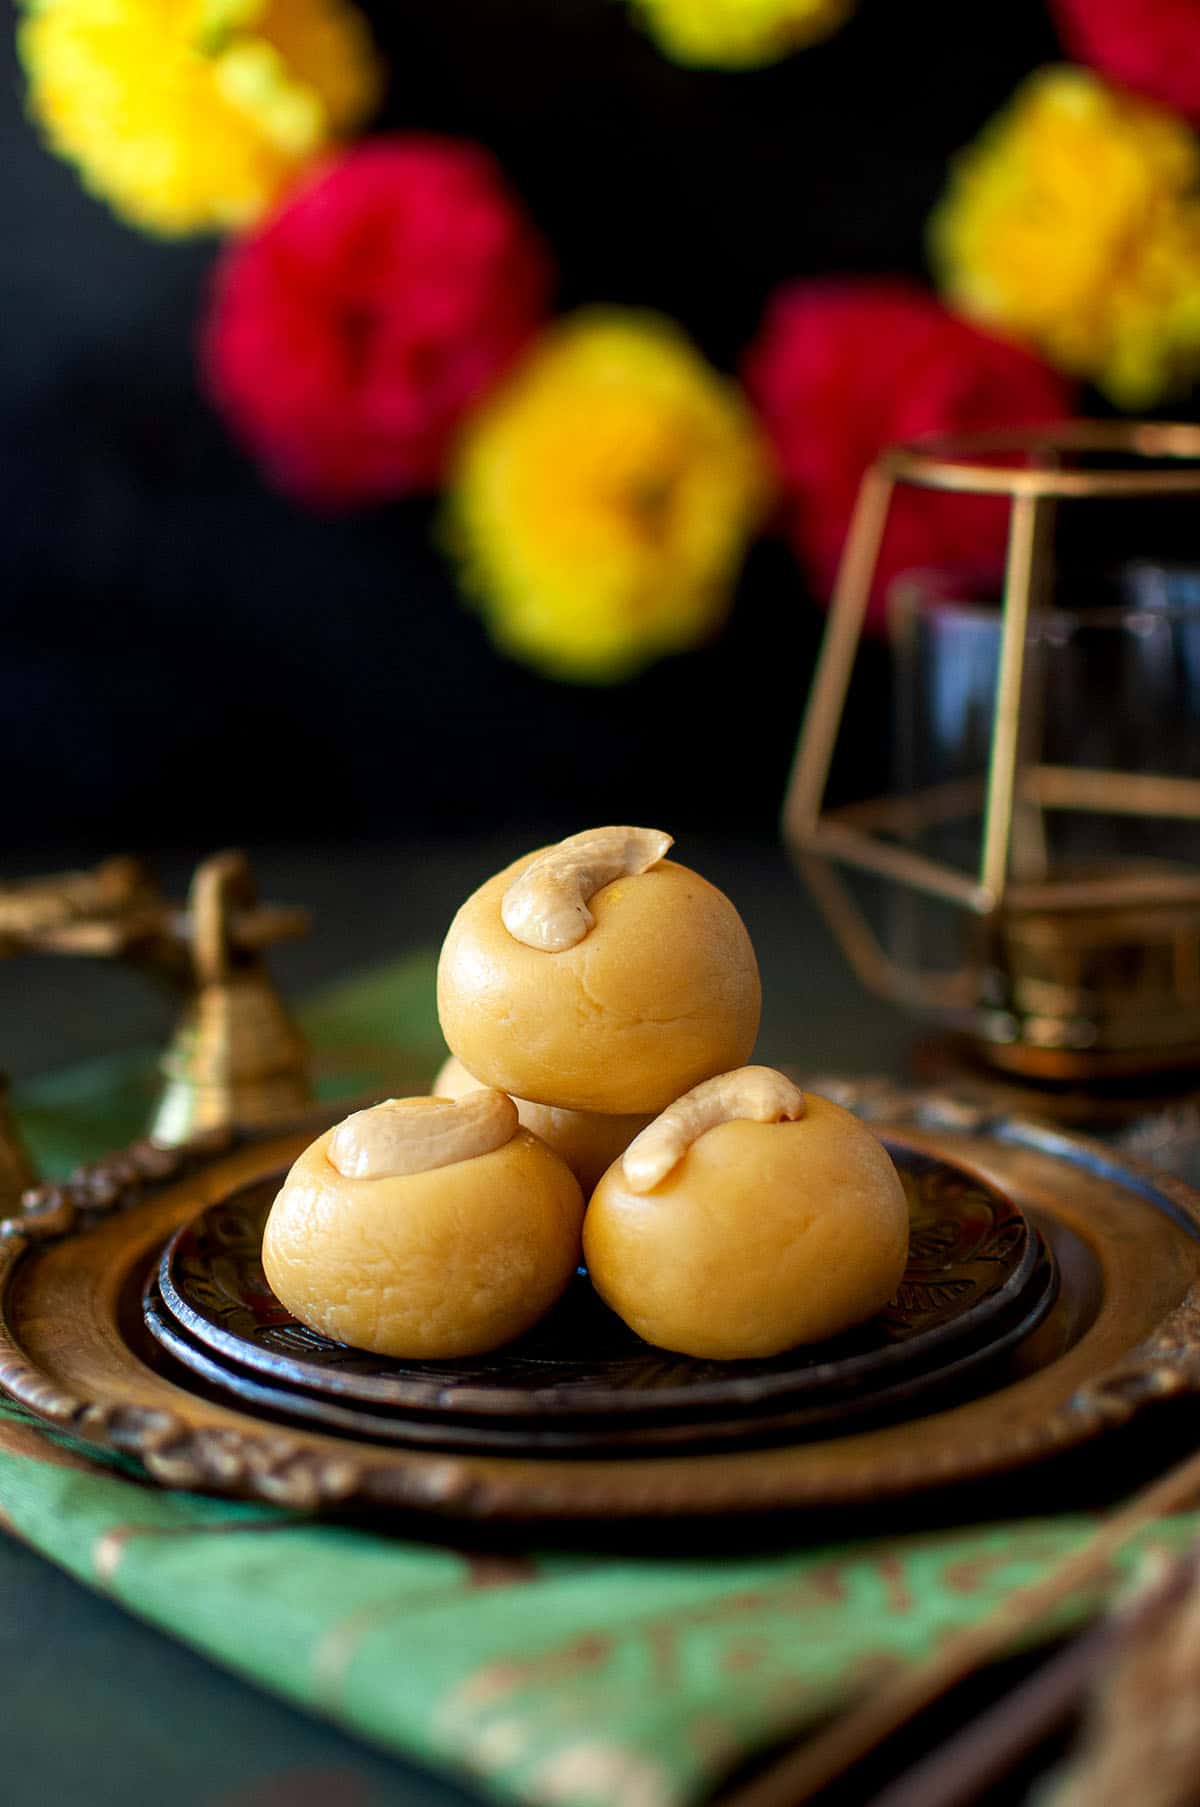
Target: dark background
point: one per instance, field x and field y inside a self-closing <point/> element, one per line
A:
<point x="189" y="659"/>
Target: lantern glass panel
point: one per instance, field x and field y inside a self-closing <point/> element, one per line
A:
<point x="1107" y="791"/>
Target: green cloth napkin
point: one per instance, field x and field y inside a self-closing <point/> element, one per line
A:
<point x="580" y="1679"/>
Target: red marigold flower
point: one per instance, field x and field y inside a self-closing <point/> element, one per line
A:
<point x="1152" y="46"/>
<point x="347" y="337"/>
<point x="841" y="369"/>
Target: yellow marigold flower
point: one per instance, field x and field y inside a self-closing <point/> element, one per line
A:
<point x="1073" y="223"/>
<point x="739" y="34"/>
<point x="603" y="497"/>
<point x="192" y="115"/>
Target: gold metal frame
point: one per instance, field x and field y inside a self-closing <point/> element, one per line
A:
<point x="1028" y="468"/>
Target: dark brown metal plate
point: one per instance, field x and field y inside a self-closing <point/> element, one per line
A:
<point x="900" y="1394"/>
<point x="972" y="1261"/>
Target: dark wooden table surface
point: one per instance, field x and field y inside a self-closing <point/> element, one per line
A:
<point x="101" y="1711"/>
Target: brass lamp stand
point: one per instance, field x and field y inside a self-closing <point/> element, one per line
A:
<point x="1067" y="972"/>
<point x="16" y="1168"/>
<point x="108" y="911"/>
<point x="236" y="1057"/>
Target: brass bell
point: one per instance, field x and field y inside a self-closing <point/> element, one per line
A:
<point x="236" y="1057"/>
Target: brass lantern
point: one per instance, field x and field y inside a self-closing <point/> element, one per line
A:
<point x="1075" y="945"/>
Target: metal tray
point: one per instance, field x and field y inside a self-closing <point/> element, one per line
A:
<point x="1123" y="1331"/>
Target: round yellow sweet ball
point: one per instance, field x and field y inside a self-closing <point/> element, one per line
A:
<point x="452" y="1261"/>
<point x="762" y="1237"/>
<point x="661" y="992"/>
<point x="588" y="1141"/>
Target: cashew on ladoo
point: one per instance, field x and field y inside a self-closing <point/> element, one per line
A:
<point x="424" y="1229"/>
<point x="547" y="906"/>
<point x="414" y="1135"/>
<point x="757" y="1094"/>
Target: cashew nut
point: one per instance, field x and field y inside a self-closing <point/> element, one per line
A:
<point x="412" y="1135"/>
<point x="759" y="1094"/>
<point x="547" y="906"/>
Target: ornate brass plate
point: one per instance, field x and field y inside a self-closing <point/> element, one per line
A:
<point x="1124" y="1330"/>
<point x="973" y="1259"/>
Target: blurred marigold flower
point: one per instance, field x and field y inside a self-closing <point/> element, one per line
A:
<point x="604" y="497"/>
<point x="1073" y="223"/>
<point x="1152" y="46"/>
<point x="841" y="369"/>
<point x="193" y="115"/>
<point x="350" y="333"/>
<point x="739" y="34"/>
